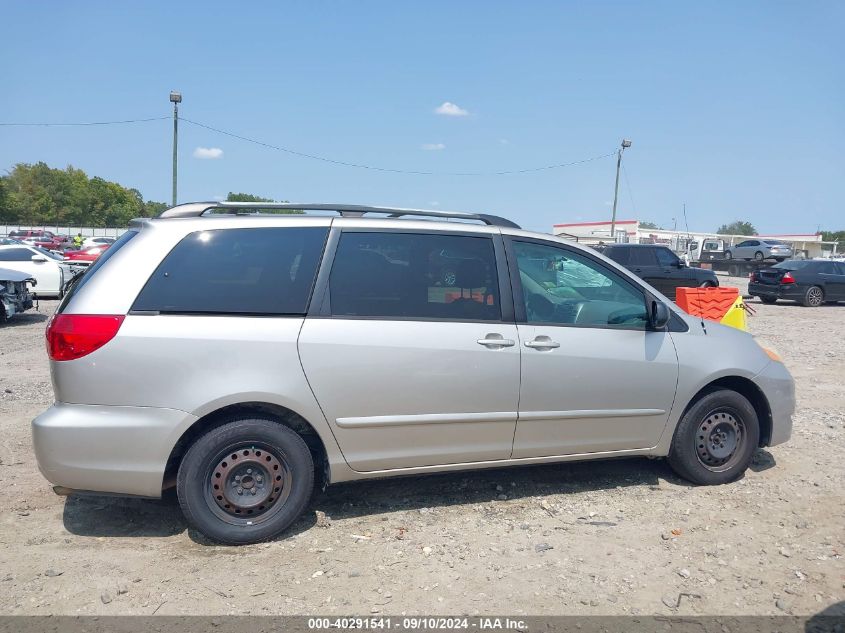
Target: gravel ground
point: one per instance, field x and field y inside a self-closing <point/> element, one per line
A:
<point x="612" y="537"/>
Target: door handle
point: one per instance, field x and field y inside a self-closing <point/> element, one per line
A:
<point x="541" y="343"/>
<point x="495" y="340"/>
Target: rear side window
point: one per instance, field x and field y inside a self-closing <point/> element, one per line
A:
<point x="643" y="257"/>
<point x="619" y="255"/>
<point x="415" y="276"/>
<point x="237" y="271"/>
<point x="16" y="255"/>
<point x="792" y="264"/>
<point x="74" y="284"/>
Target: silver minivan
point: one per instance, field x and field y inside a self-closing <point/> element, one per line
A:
<point x="246" y="357"/>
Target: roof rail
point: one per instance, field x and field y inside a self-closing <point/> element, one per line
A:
<point x="198" y="209"/>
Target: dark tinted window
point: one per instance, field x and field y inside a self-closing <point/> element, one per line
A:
<point x="237" y="271"/>
<point x="840" y="268"/>
<point x="666" y="257"/>
<point x="643" y="257"/>
<point x="407" y="275"/>
<point x="16" y="255"/>
<point x="826" y="267"/>
<point x="619" y="254"/>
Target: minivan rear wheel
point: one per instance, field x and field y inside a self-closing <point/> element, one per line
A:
<point x="245" y="481"/>
<point x="715" y="439"/>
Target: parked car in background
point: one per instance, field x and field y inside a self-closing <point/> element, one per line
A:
<point x="15" y="295"/>
<point x="660" y="267"/>
<point x="354" y="360"/>
<point x="810" y="282"/>
<point x="41" y="238"/>
<point x="759" y="249"/>
<point x="93" y="242"/>
<point x="85" y="255"/>
<point x="47" y="268"/>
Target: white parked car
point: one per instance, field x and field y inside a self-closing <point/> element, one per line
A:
<point x="91" y="242"/>
<point x="47" y="268"/>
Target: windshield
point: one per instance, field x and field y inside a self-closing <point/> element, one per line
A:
<point x="793" y="264"/>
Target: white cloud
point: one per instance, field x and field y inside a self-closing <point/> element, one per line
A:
<point x="447" y="108"/>
<point x="433" y="147"/>
<point x="208" y="152"/>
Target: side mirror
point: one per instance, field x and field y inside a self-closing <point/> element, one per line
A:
<point x="39" y="259"/>
<point x="659" y="315"/>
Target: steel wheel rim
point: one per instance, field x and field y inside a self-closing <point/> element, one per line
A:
<point x="758" y="256"/>
<point x="719" y="440"/>
<point x="247" y="483"/>
<point x="814" y="296"/>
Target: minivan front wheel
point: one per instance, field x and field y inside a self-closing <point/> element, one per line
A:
<point x="715" y="439"/>
<point x="245" y="481"/>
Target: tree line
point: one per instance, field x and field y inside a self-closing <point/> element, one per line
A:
<point x="40" y="195"/>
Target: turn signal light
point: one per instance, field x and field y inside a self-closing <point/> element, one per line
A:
<point x="787" y="279"/>
<point x="72" y="336"/>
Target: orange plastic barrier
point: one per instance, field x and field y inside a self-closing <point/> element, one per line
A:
<point x="708" y="303"/>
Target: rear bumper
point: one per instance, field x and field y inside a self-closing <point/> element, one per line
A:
<point x="121" y="450"/>
<point x="777" y="385"/>
<point x="779" y="291"/>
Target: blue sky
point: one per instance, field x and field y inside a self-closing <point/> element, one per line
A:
<point x="735" y="108"/>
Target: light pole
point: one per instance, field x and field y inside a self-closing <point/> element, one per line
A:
<point x="176" y="99"/>
<point x="625" y="144"/>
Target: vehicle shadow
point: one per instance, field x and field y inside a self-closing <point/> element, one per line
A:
<point x="107" y="516"/>
<point x="91" y="515"/>
<point x="355" y="499"/>
<point x="25" y="318"/>
<point x="762" y="460"/>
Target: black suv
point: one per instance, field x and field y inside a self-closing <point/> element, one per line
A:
<point x="660" y="267"/>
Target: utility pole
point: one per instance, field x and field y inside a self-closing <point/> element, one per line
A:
<point x="176" y="99"/>
<point x="625" y="144"/>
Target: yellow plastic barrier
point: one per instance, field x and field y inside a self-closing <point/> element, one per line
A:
<point x="736" y="316"/>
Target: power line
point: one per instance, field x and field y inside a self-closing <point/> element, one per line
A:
<point x="388" y="169"/>
<point x="324" y="159"/>
<point x="158" y="118"/>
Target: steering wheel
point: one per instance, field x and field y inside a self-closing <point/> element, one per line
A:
<point x="539" y="308"/>
<point x="625" y="315"/>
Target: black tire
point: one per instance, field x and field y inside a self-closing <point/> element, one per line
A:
<point x="274" y="461"/>
<point x="701" y="448"/>
<point x="758" y="256"/>
<point x="706" y="284"/>
<point x="813" y="297"/>
<point x="728" y="255"/>
<point x="768" y="300"/>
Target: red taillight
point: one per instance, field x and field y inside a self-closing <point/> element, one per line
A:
<point x="71" y="336"/>
<point x="787" y="278"/>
